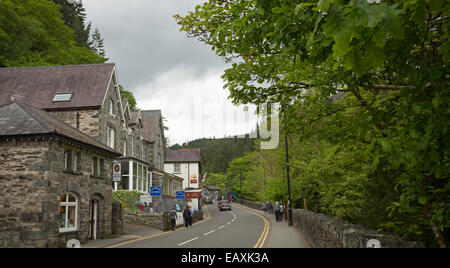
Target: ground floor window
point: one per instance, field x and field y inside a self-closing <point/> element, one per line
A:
<point x="68" y="213"/>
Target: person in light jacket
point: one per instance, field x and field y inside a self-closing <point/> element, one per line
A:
<point x="277" y="209"/>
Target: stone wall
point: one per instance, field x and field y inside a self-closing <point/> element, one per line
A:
<point x="323" y="231"/>
<point x="32" y="179"/>
<point x="117" y="220"/>
<point x="87" y="121"/>
<point x="155" y="220"/>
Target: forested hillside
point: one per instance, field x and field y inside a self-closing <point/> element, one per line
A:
<point x="44" y="32"/>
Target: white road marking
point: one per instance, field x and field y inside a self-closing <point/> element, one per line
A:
<point x="210" y="232"/>
<point x="222" y="227"/>
<point x="188" y="241"/>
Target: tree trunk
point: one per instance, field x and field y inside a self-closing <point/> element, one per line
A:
<point x="434" y="227"/>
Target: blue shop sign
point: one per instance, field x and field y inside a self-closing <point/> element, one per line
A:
<point x="180" y="195"/>
<point x="155" y="191"/>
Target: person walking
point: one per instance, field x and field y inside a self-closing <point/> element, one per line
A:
<point x="191" y="218"/>
<point x="186" y="216"/>
<point x="277" y="209"/>
<point x="173" y="218"/>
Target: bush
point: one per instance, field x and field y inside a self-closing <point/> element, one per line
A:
<point x="130" y="198"/>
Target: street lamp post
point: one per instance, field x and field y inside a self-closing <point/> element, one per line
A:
<point x="287" y="171"/>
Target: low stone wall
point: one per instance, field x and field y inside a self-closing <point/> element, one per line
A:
<point x="323" y="231"/>
<point x="155" y="220"/>
<point x="254" y="205"/>
<point x="198" y="216"/>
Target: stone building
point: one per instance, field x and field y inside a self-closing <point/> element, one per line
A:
<point x="87" y="97"/>
<point x="55" y="181"/>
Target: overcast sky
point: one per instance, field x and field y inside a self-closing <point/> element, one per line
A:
<point x="165" y="69"/>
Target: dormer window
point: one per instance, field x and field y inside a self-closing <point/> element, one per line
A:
<point x="59" y="97"/>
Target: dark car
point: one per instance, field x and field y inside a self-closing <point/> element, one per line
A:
<point x="224" y="205"/>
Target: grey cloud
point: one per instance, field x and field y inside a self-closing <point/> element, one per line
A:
<point x="143" y="39"/>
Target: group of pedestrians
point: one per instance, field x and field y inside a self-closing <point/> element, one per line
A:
<point x="188" y="216"/>
<point x="277" y="208"/>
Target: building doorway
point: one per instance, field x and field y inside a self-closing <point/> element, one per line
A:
<point x="93" y="219"/>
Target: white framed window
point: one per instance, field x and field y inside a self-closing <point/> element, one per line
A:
<point x="68" y="213"/>
<point x="111" y="107"/>
<point x="177" y="168"/>
<point x="110" y="137"/>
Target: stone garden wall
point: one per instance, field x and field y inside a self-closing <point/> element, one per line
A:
<point x="323" y="231"/>
<point x="156" y="220"/>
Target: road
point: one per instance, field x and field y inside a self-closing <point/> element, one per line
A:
<point x="239" y="228"/>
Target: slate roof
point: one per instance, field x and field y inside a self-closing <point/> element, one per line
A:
<point x="151" y="121"/>
<point x="20" y="119"/>
<point x="212" y="188"/>
<point x="38" y="86"/>
<point x="182" y="156"/>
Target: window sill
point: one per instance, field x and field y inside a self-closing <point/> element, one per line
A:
<point x="97" y="177"/>
<point x="68" y="232"/>
<point x="73" y="172"/>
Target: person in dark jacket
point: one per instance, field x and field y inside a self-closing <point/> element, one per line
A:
<point x="187" y="216"/>
<point x="173" y="218"/>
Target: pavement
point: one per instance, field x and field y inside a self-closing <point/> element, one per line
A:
<point x="130" y="232"/>
<point x="281" y="235"/>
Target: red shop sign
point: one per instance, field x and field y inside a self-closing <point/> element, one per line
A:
<point x="192" y="195"/>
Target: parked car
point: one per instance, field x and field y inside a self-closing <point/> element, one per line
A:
<point x="207" y="200"/>
<point x="224" y="205"/>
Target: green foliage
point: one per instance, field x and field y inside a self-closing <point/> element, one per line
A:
<point x="74" y="16"/>
<point x="126" y="94"/>
<point x="97" y="43"/>
<point x="32" y="33"/>
<point x="368" y="81"/>
<point x="130" y="198"/>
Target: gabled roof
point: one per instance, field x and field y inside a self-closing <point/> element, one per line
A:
<point x="182" y="156"/>
<point x="38" y="86"/>
<point x="20" y="119"/>
<point x="152" y="122"/>
<point x="136" y="118"/>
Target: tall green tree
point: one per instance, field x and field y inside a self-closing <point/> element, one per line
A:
<point x="33" y="33"/>
<point x="74" y="16"/>
<point x="98" y="43"/>
<point x="376" y="72"/>
<point x="127" y="94"/>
